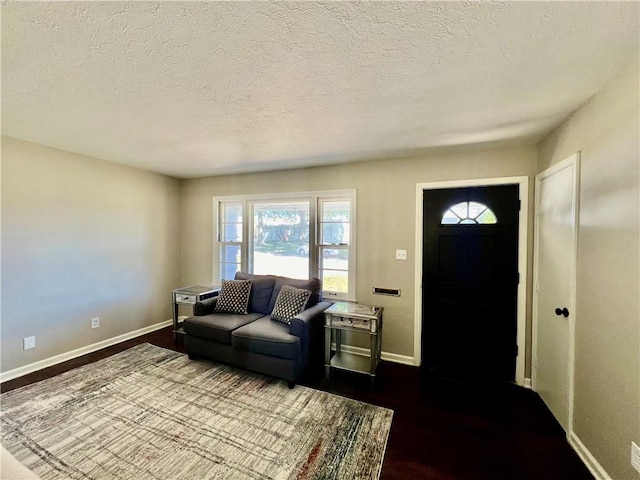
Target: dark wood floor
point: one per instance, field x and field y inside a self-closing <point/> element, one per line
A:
<point x="440" y="430"/>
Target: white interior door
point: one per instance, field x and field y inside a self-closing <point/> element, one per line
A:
<point x="554" y="290"/>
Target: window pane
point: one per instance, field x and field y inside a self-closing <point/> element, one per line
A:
<point x="232" y="213"/>
<point x="230" y="256"/>
<point x="335" y="233"/>
<point x="487" y="218"/>
<point x="468" y="213"/>
<point x="335" y="280"/>
<point x="281" y="238"/>
<point x="230" y="253"/>
<point x="476" y="209"/>
<point x="461" y="210"/>
<point x="336" y="211"/>
<point x="231" y="223"/>
<point x="449" y="218"/>
<point x="335" y="258"/>
<point x="334" y="269"/>
<point x="232" y="232"/>
<point x="334" y="226"/>
<point x="228" y="270"/>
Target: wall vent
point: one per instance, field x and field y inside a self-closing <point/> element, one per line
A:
<point x="394" y="292"/>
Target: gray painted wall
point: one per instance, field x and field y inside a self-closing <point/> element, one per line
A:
<point x="82" y="238"/>
<point x="386" y="192"/>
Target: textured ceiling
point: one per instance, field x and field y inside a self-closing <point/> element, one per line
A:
<point x="203" y="88"/>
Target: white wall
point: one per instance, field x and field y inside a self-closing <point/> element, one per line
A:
<point x="82" y="238"/>
<point x="607" y="360"/>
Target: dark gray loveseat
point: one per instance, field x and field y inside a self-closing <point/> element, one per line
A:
<point x="256" y="342"/>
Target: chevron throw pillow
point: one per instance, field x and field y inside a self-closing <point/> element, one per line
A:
<point x="234" y="297"/>
<point x="290" y="302"/>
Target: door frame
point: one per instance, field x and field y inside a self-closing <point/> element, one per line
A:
<point x="574" y="161"/>
<point x="523" y="219"/>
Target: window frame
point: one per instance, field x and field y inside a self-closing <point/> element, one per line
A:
<point x="315" y="199"/>
<point x="222" y="242"/>
<point x="321" y="247"/>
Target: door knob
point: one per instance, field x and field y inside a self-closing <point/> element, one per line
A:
<point x="562" y="311"/>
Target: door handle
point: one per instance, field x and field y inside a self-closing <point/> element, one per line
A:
<point x="564" y="312"/>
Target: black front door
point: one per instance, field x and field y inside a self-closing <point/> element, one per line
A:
<point x="470" y="279"/>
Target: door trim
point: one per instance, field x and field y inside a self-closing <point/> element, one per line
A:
<point x="574" y="161"/>
<point x="523" y="219"/>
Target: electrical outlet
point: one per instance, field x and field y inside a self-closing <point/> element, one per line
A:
<point x="635" y="456"/>
<point x="401" y="254"/>
<point x="29" y="342"/>
<point x="95" y="322"/>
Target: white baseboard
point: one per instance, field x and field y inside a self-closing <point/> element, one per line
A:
<point x="527" y="383"/>
<point x="63" y="357"/>
<point x="396" y="358"/>
<point x="389" y="357"/>
<point x="587" y="458"/>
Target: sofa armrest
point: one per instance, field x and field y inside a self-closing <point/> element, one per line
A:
<point x="205" y="307"/>
<point x="300" y="324"/>
<point x="309" y="327"/>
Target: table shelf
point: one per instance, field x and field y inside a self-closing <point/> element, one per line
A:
<point x="351" y="362"/>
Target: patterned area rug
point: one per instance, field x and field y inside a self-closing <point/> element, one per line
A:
<point x="152" y="413"/>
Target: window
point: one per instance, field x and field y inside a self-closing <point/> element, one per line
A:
<point x="281" y="238"/>
<point x="333" y="247"/>
<point x="230" y="239"/>
<point x="302" y="235"/>
<point x="469" y="213"/>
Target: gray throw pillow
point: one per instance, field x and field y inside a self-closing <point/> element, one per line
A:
<point x="234" y="297"/>
<point x="290" y="302"/>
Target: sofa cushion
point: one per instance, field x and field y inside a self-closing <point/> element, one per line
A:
<point x="217" y="326"/>
<point x="312" y="284"/>
<point x="267" y="337"/>
<point x="234" y="297"/>
<point x="261" y="290"/>
<point x="290" y="302"/>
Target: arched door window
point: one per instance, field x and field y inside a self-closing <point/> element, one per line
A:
<point x="469" y="213"/>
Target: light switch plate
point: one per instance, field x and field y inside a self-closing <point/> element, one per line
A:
<point x="401" y="254"/>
